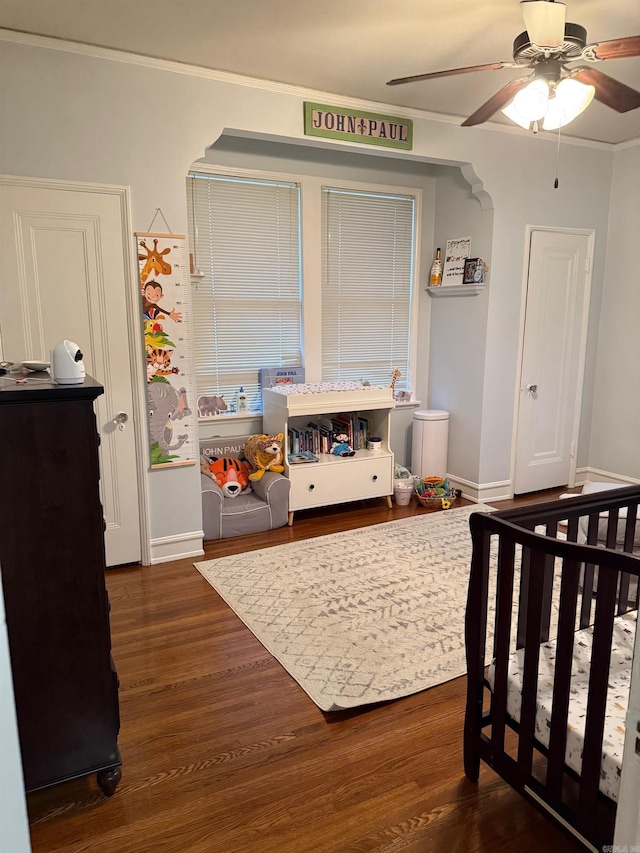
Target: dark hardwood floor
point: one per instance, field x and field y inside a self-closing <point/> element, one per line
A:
<point x="223" y="752"/>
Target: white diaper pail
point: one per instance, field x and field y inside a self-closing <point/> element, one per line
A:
<point x="430" y="443"/>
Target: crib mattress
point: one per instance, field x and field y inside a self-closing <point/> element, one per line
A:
<point x="617" y="697"/>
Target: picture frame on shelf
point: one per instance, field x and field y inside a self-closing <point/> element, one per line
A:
<point x="473" y="271"/>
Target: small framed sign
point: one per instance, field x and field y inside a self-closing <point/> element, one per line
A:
<point x="357" y="126"/>
<point x="455" y="256"/>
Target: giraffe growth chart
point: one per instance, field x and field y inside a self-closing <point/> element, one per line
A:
<point x="165" y="307"/>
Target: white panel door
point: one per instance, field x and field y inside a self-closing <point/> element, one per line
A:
<point x="552" y="360"/>
<point x="63" y="265"/>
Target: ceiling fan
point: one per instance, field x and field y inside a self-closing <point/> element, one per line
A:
<point x="556" y="92"/>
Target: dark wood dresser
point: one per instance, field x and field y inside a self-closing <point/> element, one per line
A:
<point x="52" y="565"/>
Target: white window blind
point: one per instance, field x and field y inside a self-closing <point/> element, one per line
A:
<point x="367" y="276"/>
<point x="245" y="237"/>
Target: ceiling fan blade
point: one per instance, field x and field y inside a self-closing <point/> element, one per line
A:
<point x="544" y="20"/>
<point x="492" y="66"/>
<point x="497" y="102"/>
<point x="610" y="92"/>
<point x="615" y="48"/>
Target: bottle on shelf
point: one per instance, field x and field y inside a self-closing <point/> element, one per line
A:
<point x="241" y="401"/>
<point x="435" y="277"/>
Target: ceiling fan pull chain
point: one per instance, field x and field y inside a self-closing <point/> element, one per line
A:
<point x="556" y="182"/>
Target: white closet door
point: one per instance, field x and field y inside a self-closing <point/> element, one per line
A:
<point x="64" y="265"/>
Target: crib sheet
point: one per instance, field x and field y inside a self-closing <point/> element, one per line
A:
<point x="617" y="697"/>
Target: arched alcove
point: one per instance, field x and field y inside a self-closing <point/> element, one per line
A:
<point x="455" y="204"/>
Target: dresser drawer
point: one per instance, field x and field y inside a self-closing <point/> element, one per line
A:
<point x="340" y="480"/>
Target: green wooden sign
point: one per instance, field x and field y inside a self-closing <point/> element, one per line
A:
<point x="357" y="126"/>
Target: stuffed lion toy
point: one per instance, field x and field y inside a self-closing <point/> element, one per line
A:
<point x="264" y="453"/>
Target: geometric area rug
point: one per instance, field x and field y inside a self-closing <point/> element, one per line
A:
<point x="361" y="616"/>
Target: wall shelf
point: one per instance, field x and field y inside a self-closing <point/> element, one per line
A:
<point x="456" y="290"/>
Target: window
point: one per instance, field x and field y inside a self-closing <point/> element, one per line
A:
<point x="367" y="277"/>
<point x="245" y="235"/>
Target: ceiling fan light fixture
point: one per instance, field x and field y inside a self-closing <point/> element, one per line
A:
<point x="544" y="20"/>
<point x="571" y="98"/>
<point x="532" y="101"/>
<point x="511" y="112"/>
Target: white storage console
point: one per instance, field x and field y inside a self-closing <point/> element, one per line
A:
<point x="333" y="479"/>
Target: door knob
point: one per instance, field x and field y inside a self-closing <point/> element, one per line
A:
<point x="532" y="389"/>
<point x="121" y="418"/>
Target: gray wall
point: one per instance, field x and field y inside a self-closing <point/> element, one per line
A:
<point x="615" y="422"/>
<point x="458" y="328"/>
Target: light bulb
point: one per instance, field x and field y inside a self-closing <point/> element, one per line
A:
<point x="531" y="102"/>
<point x="511" y="112"/>
<point x="572" y="98"/>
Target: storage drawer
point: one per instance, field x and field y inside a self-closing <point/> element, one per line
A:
<point x="339" y="481"/>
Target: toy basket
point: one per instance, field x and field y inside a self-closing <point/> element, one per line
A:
<point x="435" y="493"/>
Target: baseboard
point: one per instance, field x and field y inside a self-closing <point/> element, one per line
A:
<point x="177" y="547"/>
<point x="597" y="475"/>
<point x="482" y="492"/>
<point x="502" y="490"/>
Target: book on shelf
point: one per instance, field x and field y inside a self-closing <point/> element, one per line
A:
<point x="362" y="434"/>
<point x="302" y="456"/>
<point x="294" y="440"/>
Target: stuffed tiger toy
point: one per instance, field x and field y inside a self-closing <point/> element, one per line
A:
<point x="232" y="475"/>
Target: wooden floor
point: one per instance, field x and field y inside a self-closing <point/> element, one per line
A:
<point x="223" y="752"/>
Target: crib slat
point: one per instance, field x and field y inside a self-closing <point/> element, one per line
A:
<point x="523" y="597"/>
<point x="562" y="679"/>
<point x="627" y="601"/>
<point x="547" y="597"/>
<point x="504" y="607"/>
<point x="475" y="634"/>
<point x="623" y="594"/>
<point x="589" y="571"/>
<point x="612" y="528"/>
<point x="573" y="525"/>
<point x="536" y="562"/>
<point x="630" y="527"/>
<point x="597" y="696"/>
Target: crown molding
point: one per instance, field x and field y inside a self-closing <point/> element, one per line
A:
<point x="630" y="143"/>
<point x="128" y="58"/>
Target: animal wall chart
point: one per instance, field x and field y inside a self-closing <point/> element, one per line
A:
<point x="165" y="308"/>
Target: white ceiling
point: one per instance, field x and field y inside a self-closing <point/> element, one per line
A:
<point x="347" y="47"/>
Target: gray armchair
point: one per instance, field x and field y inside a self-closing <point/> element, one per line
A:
<point x="264" y="507"/>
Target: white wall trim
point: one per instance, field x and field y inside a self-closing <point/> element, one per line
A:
<point x="629" y="143"/>
<point x="501" y="490"/>
<point x="477" y="187"/>
<point x="597" y="475"/>
<point x="51" y="43"/>
<point x="177" y="547"/>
